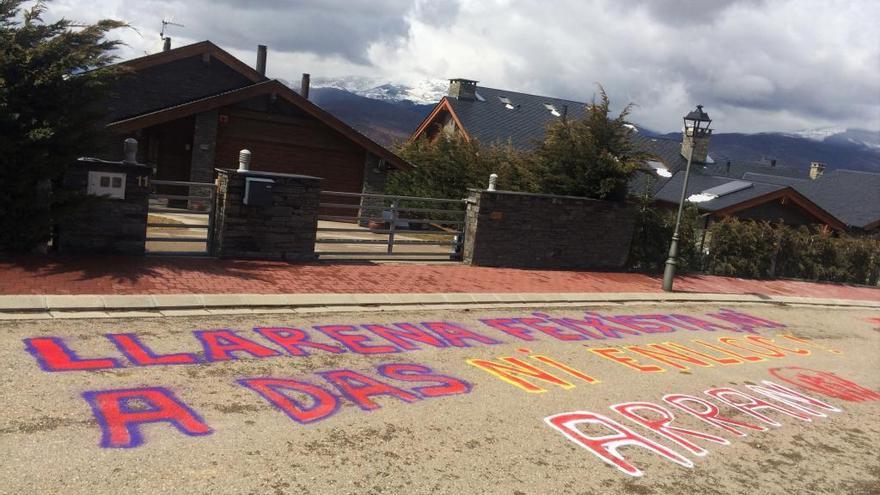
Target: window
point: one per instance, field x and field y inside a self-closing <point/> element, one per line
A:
<point x="507" y="103"/>
<point x="659" y="168"/>
<point x="553" y="111"/>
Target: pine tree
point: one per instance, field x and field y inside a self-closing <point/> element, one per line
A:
<point x="447" y="166"/>
<point x="52" y="77"/>
<point x="587" y="156"/>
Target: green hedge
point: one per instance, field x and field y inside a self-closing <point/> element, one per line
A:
<point x="761" y="250"/>
<point x="653" y="233"/>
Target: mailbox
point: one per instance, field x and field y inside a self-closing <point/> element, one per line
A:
<point x="258" y="191"/>
<point x="109" y="184"/>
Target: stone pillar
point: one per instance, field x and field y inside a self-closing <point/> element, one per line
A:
<point x="101" y="224"/>
<point x="698" y="144"/>
<point x="522" y="230"/>
<point x="375" y="178"/>
<point x="203" y="149"/>
<point x="284" y="229"/>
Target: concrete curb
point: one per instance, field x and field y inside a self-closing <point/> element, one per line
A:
<point x="96" y="306"/>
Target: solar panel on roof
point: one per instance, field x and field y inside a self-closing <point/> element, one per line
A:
<point x="727" y="188"/>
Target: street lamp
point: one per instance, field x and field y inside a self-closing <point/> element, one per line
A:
<point x="696" y="130"/>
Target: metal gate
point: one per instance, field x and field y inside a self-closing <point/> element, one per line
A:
<point x="381" y="226"/>
<point x="180" y="218"/>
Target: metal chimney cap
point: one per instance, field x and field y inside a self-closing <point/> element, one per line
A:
<point x="130" y="148"/>
<point x="244" y="160"/>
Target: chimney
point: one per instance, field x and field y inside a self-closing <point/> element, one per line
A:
<point x="167" y="45"/>
<point x="816" y="170"/>
<point x="773" y="163"/>
<point x="728" y="166"/>
<point x="695" y="136"/>
<point x="304" y="86"/>
<point x="261" y="59"/>
<point x="463" y="89"/>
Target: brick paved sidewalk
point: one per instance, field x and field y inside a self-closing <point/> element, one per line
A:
<point x="124" y="275"/>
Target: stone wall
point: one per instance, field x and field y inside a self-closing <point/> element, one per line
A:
<point x="204" y="145"/>
<point x="521" y="230"/>
<point x="375" y="178"/>
<point x="284" y="230"/>
<point x="100" y="225"/>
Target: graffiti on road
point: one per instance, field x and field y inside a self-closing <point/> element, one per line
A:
<point x="121" y="412"/>
<point x="606" y="447"/>
<point x="825" y="383"/>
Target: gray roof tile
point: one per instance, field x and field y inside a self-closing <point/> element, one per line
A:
<point x="491" y="122"/>
<point x="671" y="190"/>
<point x="851" y="196"/>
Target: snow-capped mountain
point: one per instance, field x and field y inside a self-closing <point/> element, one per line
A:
<point x="421" y="92"/>
<point x="389" y="113"/>
<point x="858" y="137"/>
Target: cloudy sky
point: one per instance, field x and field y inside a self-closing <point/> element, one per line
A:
<point x="756" y="65"/>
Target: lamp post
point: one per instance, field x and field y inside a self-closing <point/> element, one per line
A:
<point x="696" y="127"/>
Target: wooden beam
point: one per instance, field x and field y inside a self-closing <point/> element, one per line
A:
<point x="443" y="105"/>
<point x="788" y="194"/>
<point x="252" y="91"/>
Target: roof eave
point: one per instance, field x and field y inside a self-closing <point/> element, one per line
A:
<point x="789" y="193"/>
<point x="266" y="87"/>
<point x="192" y="50"/>
<point x="443" y="104"/>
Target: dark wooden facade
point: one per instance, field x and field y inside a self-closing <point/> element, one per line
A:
<point x="165" y="98"/>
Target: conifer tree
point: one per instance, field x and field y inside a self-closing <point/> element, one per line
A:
<point x="52" y="77"/>
<point x="587" y="156"/>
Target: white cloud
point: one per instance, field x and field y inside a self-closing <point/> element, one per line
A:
<point x="756" y="65"/>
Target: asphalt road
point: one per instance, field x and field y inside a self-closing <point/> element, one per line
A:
<point x="442" y="402"/>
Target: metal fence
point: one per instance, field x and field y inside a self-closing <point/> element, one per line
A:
<point x="179" y="211"/>
<point x="386" y="226"/>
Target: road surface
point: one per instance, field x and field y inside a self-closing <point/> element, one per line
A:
<point x="765" y="399"/>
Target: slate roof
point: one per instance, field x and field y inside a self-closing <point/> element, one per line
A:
<point x="173" y="77"/>
<point x="194" y="78"/>
<point x="671" y="190"/>
<point x="491" y="122"/>
<point x="851" y="196"/>
<point x="667" y="150"/>
<point x="737" y="169"/>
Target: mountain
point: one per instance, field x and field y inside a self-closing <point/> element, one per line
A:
<point x="870" y="139"/>
<point x="851" y="149"/>
<point x="425" y="92"/>
<point x="389" y="113"/>
<point x="386" y="122"/>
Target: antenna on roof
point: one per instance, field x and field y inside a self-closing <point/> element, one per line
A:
<point x="166" y="40"/>
<point x="165" y="24"/>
